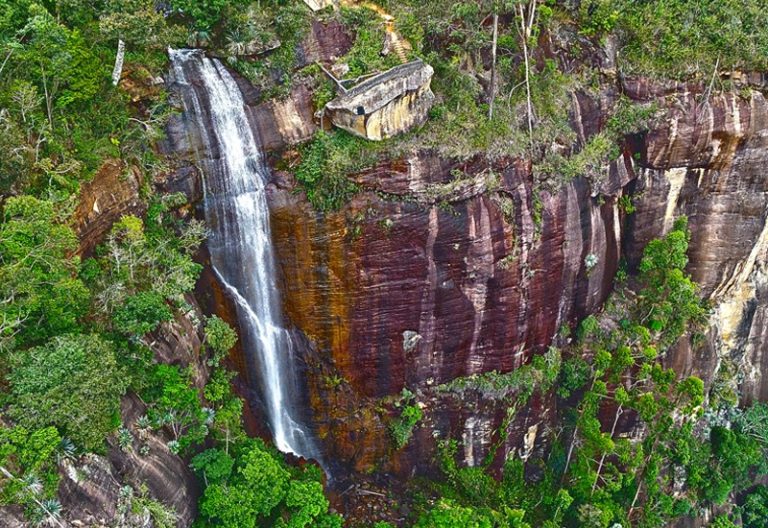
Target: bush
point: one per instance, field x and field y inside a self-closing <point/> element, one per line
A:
<point x="38" y="275"/>
<point x="754" y="511"/>
<point x="401" y="429"/>
<point x="142" y="313"/>
<point x="326" y="162"/>
<point x="220" y="336"/>
<point x="73" y="383"/>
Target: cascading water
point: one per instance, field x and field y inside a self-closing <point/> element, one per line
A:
<point x="240" y="241"/>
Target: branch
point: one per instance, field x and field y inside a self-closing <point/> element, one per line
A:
<point x="117" y="71"/>
<point x="332" y="77"/>
<point x="525" y="34"/>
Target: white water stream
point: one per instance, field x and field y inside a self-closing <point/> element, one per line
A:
<point x="240" y="240"/>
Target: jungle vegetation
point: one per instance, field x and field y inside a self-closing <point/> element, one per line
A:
<point x="76" y="328"/>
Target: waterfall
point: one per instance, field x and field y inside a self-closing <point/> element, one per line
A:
<point x="240" y="240"/>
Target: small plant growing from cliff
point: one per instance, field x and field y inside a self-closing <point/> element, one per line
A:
<point x="590" y="261"/>
<point x="537" y="214"/>
<point x="626" y="205"/>
<point x="333" y="381"/>
<point x="401" y="429"/>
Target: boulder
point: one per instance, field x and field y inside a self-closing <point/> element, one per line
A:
<point x="317" y="5"/>
<point x="388" y="104"/>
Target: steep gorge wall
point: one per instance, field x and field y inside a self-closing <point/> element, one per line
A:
<point x="408" y="293"/>
<point x="426" y="276"/>
<point x="709" y="163"/>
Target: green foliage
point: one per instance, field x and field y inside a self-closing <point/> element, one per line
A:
<point x="722" y="521"/>
<point x="263" y="26"/>
<point x="326" y="161"/>
<point x="42" y="296"/>
<point x="59" y="51"/>
<point x="140" y="23"/>
<point x="401" y="428"/>
<point x="219" y="336"/>
<point x="173" y="402"/>
<point x="28" y="458"/>
<point x="142" y="267"/>
<point x="141" y="313"/>
<point x="162" y="516"/>
<point x="754" y="511"/>
<point x="73" y="383"/>
<point x="669" y="298"/>
<point x="365" y="56"/>
<point x="679" y="39"/>
<point x="257" y="488"/>
<point x="446" y="514"/>
<point x="214" y="465"/>
<point x="541" y="374"/>
<point x="203" y="14"/>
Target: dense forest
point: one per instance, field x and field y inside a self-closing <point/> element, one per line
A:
<point x="80" y="318"/>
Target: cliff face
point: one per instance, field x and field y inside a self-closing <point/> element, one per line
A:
<point x="456" y="276"/>
<point x="707" y="163"/>
<point x="441" y="269"/>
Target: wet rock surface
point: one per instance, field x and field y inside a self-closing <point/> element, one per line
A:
<point x="425" y="275"/>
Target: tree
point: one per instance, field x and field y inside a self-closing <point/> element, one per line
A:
<point x="142" y="313"/>
<point x="754" y="511"/>
<point x="203" y="14"/>
<point x="448" y="514"/>
<point x="72" y="382"/>
<point x="257" y="486"/>
<point x="260" y="491"/>
<point x="40" y="294"/>
<point x="219" y="336"/>
<point x="141" y="258"/>
<point x="174" y="402"/>
<point x="139" y="23"/>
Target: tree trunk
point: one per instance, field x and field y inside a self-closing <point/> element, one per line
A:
<point x="492" y="96"/>
<point x="117" y="71"/>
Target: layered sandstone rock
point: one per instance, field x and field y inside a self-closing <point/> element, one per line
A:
<point x="426" y="276"/>
<point x="388" y="104"/>
<point x="708" y="163"/>
<point x="112" y="193"/>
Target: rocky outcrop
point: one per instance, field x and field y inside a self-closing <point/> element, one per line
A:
<point x="97" y="490"/>
<point x="387" y="104"/>
<point x="148" y="462"/>
<point x="112" y="193"/>
<point x="316" y="5"/>
<point x="439" y="269"/>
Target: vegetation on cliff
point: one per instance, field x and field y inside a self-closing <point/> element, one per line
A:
<point x="683" y="457"/>
<point x="76" y="335"/>
<point x="512" y="96"/>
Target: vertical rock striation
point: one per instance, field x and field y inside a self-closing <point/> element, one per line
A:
<point x="424" y="276"/>
<point x="240" y="239"/>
